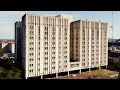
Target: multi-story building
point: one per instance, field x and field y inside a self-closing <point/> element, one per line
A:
<point x="53" y="44"/>
<point x="8" y="47"/>
<point x="45" y="44"/>
<point x="89" y="44"/>
<point x="11" y="47"/>
<point x="3" y="45"/>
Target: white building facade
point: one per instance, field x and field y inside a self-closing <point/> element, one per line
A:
<point x="45" y="44"/>
<point x="89" y="44"/>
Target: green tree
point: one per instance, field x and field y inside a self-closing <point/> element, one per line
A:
<point x="3" y="75"/>
<point x="1" y="52"/>
<point x="119" y="76"/>
<point x="1" y="69"/>
<point x="10" y="74"/>
<point x="17" y="75"/>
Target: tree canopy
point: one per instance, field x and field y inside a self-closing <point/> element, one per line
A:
<point x="9" y="71"/>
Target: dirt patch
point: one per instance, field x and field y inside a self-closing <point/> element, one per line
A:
<point x="99" y="74"/>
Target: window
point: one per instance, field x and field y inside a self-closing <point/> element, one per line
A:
<point x="45" y="68"/>
<point x="46" y="63"/>
<point x="30" y="70"/>
<point x="76" y="38"/>
<point x="92" y="59"/>
<point x="59" y="57"/>
<point x="83" y="51"/>
<point x="53" y="62"/>
<point x="46" y="42"/>
<point x="83" y="46"/>
<point x="46" y="38"/>
<point x="83" y="43"/>
<point x="31" y="64"/>
<point x="77" y="51"/>
<point x="65" y="38"/>
<point x="76" y="59"/>
<point x="92" y="63"/>
<point x="83" y="38"/>
<point x="76" y="46"/>
<point x="65" y="56"/>
<point x="65" y="66"/>
<point x="53" y="42"/>
<point x="97" y="62"/>
<point x="53" y="67"/>
<point x="83" y="64"/>
<point x="65" y="47"/>
<point x="83" y="60"/>
<point x="46" y="28"/>
<point x="65" y="42"/>
<point x="76" y="54"/>
<point x="83" y="55"/>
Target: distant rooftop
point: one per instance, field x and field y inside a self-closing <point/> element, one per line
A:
<point x="7" y="40"/>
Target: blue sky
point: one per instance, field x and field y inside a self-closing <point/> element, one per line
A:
<point x="8" y="18"/>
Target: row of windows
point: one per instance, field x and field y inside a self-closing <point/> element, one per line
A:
<point x="31" y="48"/>
<point x="30" y="64"/>
<point x="31" y="43"/>
<point x="31" y="32"/>
<point x="31" y="27"/>
<point x="31" y="59"/>
<point x="30" y="70"/>
<point x="31" y="37"/>
<point x="31" y="53"/>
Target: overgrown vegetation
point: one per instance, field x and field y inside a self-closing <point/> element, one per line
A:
<point x="9" y="70"/>
<point x="102" y="74"/>
<point x="114" y="64"/>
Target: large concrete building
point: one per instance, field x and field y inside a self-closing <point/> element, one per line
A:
<point x="45" y="44"/>
<point x="89" y="44"/>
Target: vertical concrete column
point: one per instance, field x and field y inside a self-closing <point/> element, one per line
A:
<point x="56" y="75"/>
<point x="99" y="67"/>
<point x="106" y="66"/>
<point x="41" y="76"/>
<point x="68" y="73"/>
<point x="89" y="69"/>
<point x="80" y="71"/>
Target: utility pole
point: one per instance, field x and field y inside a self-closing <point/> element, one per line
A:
<point x="112" y="28"/>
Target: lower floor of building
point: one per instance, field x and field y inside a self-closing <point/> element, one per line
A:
<point x="55" y="75"/>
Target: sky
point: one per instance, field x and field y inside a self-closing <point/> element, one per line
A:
<point x="8" y="19"/>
